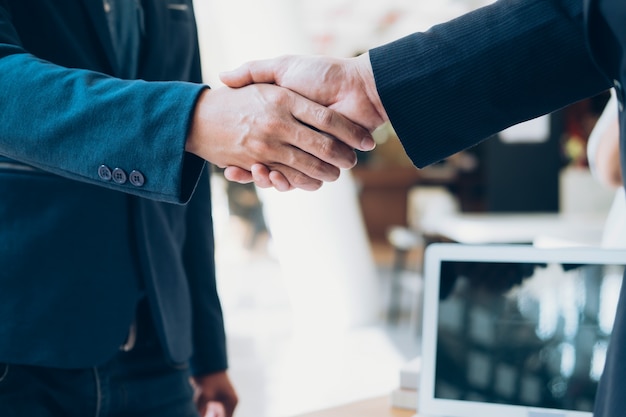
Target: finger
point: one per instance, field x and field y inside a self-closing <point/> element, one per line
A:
<point x="261" y="71"/>
<point x="229" y="409"/>
<point x="236" y="174"/>
<point x="314" y="153"/>
<point x="215" y="409"/>
<point x="265" y="178"/>
<point x="349" y="134"/>
<point x="228" y="406"/>
<point x="295" y="178"/>
<point x="303" y="150"/>
<point x="261" y="176"/>
<point x="279" y="181"/>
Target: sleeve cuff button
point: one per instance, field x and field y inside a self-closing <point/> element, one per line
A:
<point x="104" y="172"/>
<point x="137" y="178"/>
<point x="119" y="176"/>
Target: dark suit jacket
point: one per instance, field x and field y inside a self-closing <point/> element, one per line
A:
<point x="76" y="250"/>
<point x="463" y="81"/>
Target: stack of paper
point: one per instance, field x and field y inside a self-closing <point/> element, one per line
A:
<point x="405" y="396"/>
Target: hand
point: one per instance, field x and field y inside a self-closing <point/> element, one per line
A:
<point x="214" y="395"/>
<point x="344" y="85"/>
<point x="304" y="141"/>
<point x="608" y="167"/>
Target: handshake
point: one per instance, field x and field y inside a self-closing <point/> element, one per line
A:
<point x="289" y="122"/>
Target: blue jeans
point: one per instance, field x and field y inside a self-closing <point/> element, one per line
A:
<point x="136" y="383"/>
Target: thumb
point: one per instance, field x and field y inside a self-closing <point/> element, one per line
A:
<point x="215" y="409"/>
<point x="251" y="72"/>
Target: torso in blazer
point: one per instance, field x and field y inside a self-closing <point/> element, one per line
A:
<point x="77" y="251"/>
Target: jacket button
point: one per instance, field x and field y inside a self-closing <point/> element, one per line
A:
<point x="619" y="92"/>
<point x="104" y="173"/>
<point x="137" y="178"/>
<point x="119" y="176"/>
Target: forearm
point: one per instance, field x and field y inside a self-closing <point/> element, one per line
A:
<point x="462" y="81"/>
<point x="70" y="122"/>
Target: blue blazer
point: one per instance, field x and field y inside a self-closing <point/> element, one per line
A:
<point x="463" y="81"/>
<point x="78" y="248"/>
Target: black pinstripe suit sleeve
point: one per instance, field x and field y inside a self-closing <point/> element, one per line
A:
<point x="450" y="87"/>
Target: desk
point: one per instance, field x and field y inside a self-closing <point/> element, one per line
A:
<point x="374" y="407"/>
<point x="542" y="229"/>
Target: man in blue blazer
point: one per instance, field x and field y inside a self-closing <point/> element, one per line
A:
<point x="108" y="300"/>
<point x="465" y="80"/>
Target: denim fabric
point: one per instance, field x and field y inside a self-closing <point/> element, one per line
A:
<point x="138" y="383"/>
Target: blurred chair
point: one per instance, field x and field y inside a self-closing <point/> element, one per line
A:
<point x="404" y="280"/>
<point x="425" y="204"/>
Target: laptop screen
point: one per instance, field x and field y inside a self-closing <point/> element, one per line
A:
<point x="529" y="332"/>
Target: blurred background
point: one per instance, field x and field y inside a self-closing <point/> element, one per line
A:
<point x="321" y="291"/>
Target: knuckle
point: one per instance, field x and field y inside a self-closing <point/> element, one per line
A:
<point x="332" y="150"/>
<point x="324" y="171"/>
<point x="291" y="159"/>
<point x="279" y="96"/>
<point x="299" y="179"/>
<point x="324" y="116"/>
<point x="302" y="181"/>
<point x="316" y="169"/>
<point x="260" y="148"/>
<point x="326" y="148"/>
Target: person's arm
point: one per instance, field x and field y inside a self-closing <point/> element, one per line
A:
<point x="71" y="122"/>
<point x="209" y="362"/>
<point x="478" y="74"/>
<point x="460" y="82"/>
<point x="608" y="166"/>
<point x="603" y="146"/>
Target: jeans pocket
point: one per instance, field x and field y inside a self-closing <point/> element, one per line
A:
<point x="4" y="371"/>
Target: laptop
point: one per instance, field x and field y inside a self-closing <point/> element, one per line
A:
<point x="515" y="330"/>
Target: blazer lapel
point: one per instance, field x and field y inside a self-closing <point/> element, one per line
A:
<point x="99" y="20"/>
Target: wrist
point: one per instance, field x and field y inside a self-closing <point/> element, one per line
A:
<point x="366" y="74"/>
<point x="193" y="144"/>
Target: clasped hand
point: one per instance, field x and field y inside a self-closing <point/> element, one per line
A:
<point x="262" y="127"/>
<point x="281" y="139"/>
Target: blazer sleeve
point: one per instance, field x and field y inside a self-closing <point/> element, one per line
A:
<point x="71" y="121"/>
<point x="209" y="339"/>
<point x="462" y="81"/>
